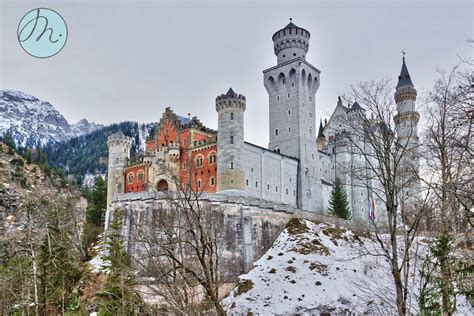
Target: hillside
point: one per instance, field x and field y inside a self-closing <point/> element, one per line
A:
<point x="33" y="122"/>
<point x="87" y="155"/>
<point x="320" y="268"/>
<point x="23" y="187"/>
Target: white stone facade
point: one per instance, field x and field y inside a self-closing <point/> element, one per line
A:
<point x="269" y="175"/>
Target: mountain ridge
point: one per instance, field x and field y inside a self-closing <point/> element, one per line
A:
<point x="35" y="123"/>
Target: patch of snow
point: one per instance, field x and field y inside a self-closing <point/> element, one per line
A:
<point x="325" y="269"/>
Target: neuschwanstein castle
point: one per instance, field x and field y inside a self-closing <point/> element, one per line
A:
<point x="299" y="166"/>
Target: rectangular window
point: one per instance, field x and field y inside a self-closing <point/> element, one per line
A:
<point x="232" y="139"/>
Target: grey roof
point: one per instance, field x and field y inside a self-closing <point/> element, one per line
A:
<point x="356" y="106"/>
<point x="404" y="78"/>
<point x="231" y="93"/>
<point x="291" y="24"/>
<point x="321" y="128"/>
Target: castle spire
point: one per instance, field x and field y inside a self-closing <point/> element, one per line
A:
<point x="321" y="128"/>
<point x="404" y="79"/>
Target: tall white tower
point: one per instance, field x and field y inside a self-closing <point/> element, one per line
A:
<point x="230" y="141"/>
<point x="406" y="128"/>
<point x="119" y="153"/>
<point x="291" y="87"/>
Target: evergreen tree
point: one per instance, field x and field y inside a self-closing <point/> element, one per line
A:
<point x="58" y="265"/>
<point x="96" y="207"/>
<point x="8" y="140"/>
<point x="338" y="204"/>
<point x="118" y="296"/>
<point x="97" y="203"/>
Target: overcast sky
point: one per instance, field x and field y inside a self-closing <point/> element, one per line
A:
<point x="127" y="60"/>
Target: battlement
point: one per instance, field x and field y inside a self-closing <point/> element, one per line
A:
<point x="291" y="42"/>
<point x="119" y="139"/>
<point x="231" y="100"/>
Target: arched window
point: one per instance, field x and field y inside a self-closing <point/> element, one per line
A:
<point x="130" y="177"/>
<point x="212" y="181"/>
<point x="231" y="165"/>
<point x="140" y="176"/>
<point x="276" y="132"/>
<point x="212" y="158"/>
<point x="247" y="182"/>
<point x="198" y="161"/>
<point x="232" y="139"/>
<point x="199" y="184"/>
<point x="231" y="116"/>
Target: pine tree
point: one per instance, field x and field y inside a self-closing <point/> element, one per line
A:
<point x="96" y="207"/>
<point x="338" y="204"/>
<point x="118" y="296"/>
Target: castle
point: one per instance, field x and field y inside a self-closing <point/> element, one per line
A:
<point x="297" y="169"/>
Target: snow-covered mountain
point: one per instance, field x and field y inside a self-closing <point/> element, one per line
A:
<point x="33" y="122"/>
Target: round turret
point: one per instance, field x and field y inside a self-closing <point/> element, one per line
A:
<point x="230" y="141"/>
<point x="290" y="42"/>
<point x="119" y="154"/>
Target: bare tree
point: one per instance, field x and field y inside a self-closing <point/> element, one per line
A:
<point x="389" y="173"/>
<point x="448" y="153"/>
<point x="182" y="247"/>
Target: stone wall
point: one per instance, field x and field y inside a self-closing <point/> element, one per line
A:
<point x="250" y="225"/>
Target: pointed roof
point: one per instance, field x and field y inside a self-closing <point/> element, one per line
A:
<point x="291" y="24"/>
<point x="404" y="78"/>
<point x="321" y="128"/>
<point x="356" y="106"/>
<point x="231" y="93"/>
<point x="119" y="133"/>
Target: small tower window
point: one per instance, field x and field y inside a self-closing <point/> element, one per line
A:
<point x="310" y="114"/>
<point x="232" y="139"/>
<point x="256" y="184"/>
<point x="268" y="187"/>
<point x="184" y="166"/>
<point x="198" y="183"/>
<point x="289" y="129"/>
<point x="212" y="181"/>
<point x="287" y="191"/>
<point x="247" y="182"/>
<point x="276" y="132"/>
<point x="278" y="98"/>
<point x="231" y="165"/>
<point x="310" y="98"/>
<point x="276" y="189"/>
<point x="292" y="84"/>
<point x="289" y="112"/>
<point x="289" y="95"/>
<point x="231" y="116"/>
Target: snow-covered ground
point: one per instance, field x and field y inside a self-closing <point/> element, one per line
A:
<point x="313" y="268"/>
